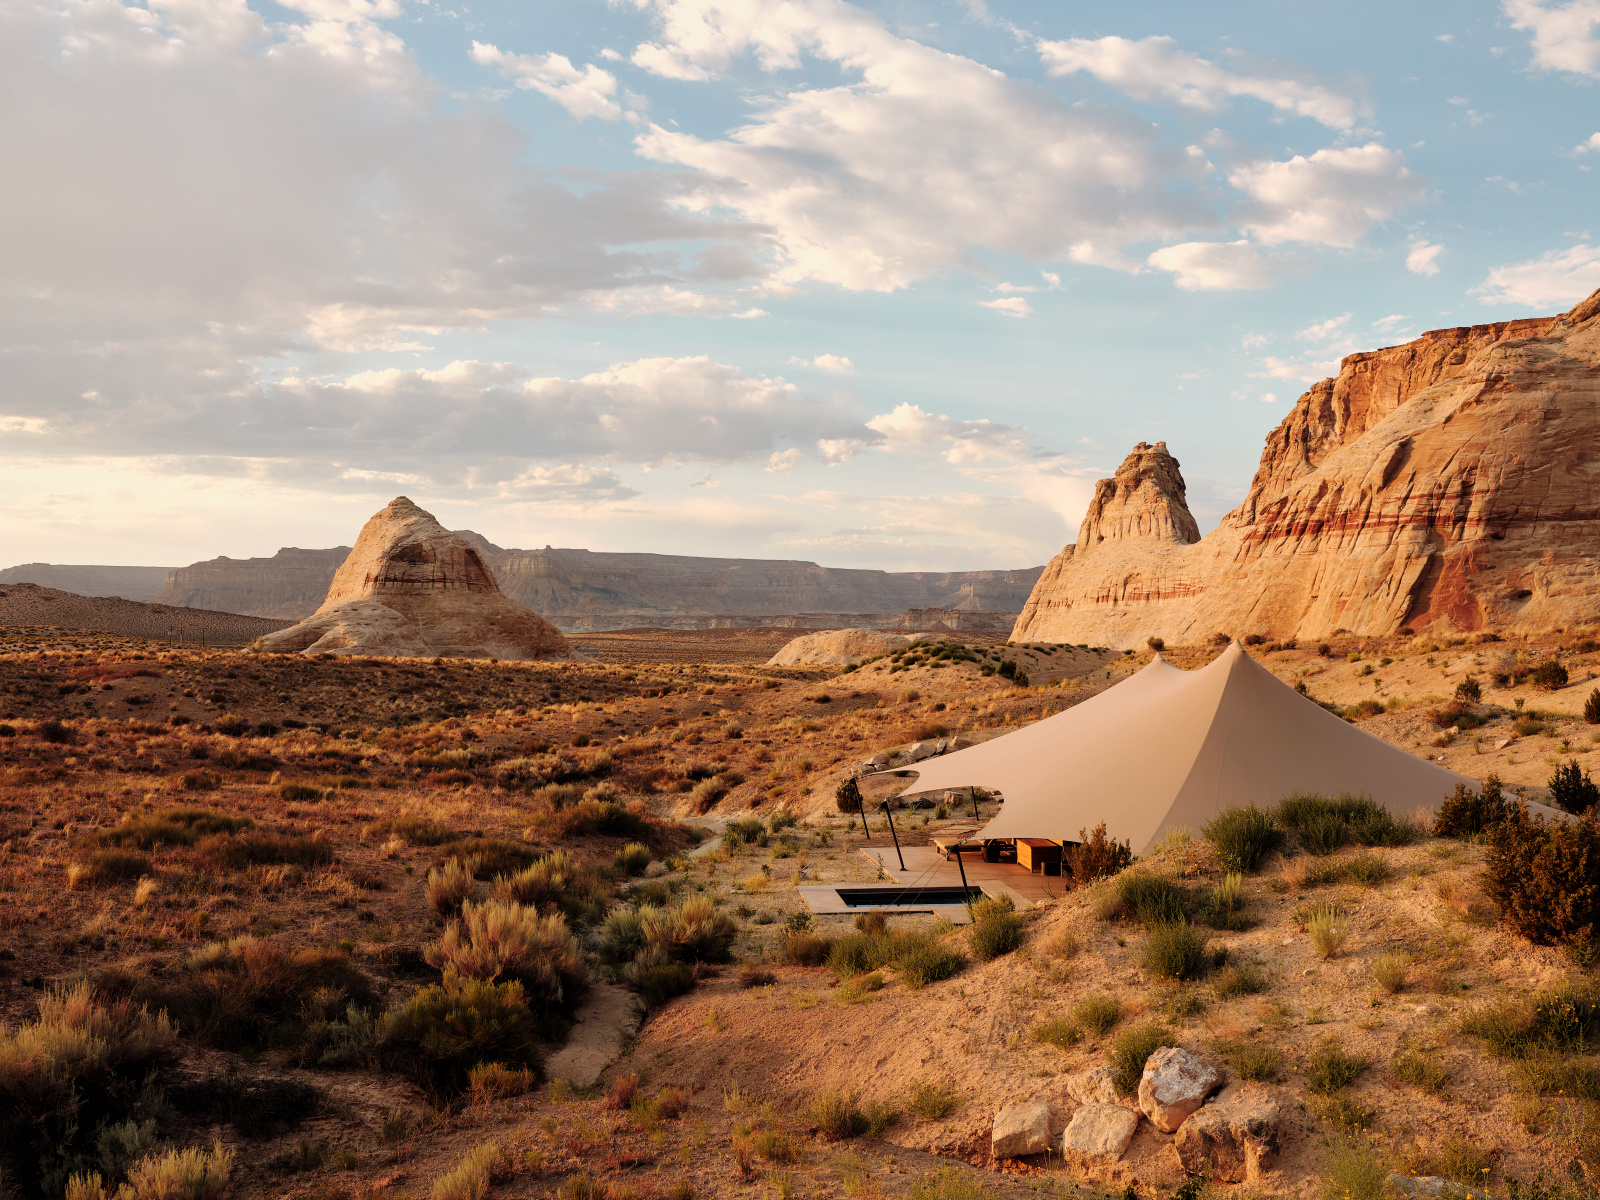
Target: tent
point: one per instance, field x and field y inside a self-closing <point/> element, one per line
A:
<point x="1169" y="749"/>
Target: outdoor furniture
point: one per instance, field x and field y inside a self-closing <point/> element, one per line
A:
<point x="951" y="840"/>
<point x="1036" y="853"/>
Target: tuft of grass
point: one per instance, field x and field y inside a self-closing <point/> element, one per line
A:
<point x="1239" y="979"/>
<point x="1422" y="1070"/>
<point x="1354" y="1173"/>
<point x="1243" y="837"/>
<point x="952" y="1183"/>
<point x="1175" y="951"/>
<point x="996" y="928"/>
<point x="932" y="1099"/>
<point x="1144" y="896"/>
<point x="469" y="1178"/>
<point x="1555" y="1022"/>
<point x="193" y="1174"/>
<point x="632" y="859"/>
<point x="1097" y="1013"/>
<point x="1132" y="1049"/>
<point x="497" y="940"/>
<point x="1329" y="929"/>
<point x="1250" y="1060"/>
<point x="1462" y="1162"/>
<point x="1060" y="1032"/>
<point x="839" y="1116"/>
<point x="1332" y="1068"/>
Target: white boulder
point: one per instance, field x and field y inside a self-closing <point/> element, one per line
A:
<point x="1175" y="1084"/>
<point x="1021" y="1129"/>
<point x="1100" y="1131"/>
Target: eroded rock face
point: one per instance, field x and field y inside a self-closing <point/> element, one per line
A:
<point x="1021" y="1129"/>
<point x="1450" y="482"/>
<point x="1233" y="1138"/>
<point x="1175" y="1083"/>
<point x="410" y="587"/>
<point x="1100" y="1131"/>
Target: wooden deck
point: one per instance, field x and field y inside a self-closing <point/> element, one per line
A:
<point x="926" y="867"/>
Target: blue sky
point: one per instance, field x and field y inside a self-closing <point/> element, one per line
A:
<point x="877" y="285"/>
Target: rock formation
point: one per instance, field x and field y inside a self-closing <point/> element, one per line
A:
<point x="412" y="588"/>
<point x="836" y="648"/>
<point x="1448" y="483"/>
<point x="129" y="583"/>
<point x="289" y="585"/>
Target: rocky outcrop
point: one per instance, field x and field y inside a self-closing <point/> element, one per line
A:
<point x="290" y="585"/>
<point x="410" y="587"/>
<point x="1449" y="483"/>
<point x="836" y="648"/>
<point x="1234" y="1137"/>
<point x="1175" y="1084"/>
<point x="30" y="604"/>
<point x="1021" y="1129"/>
<point x="1097" y="1085"/>
<point x="1100" y="1131"/>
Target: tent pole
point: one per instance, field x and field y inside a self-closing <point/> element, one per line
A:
<point x="962" y="869"/>
<point x="973" y="793"/>
<point x="889" y="816"/>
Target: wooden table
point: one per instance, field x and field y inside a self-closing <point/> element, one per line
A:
<point x="1034" y="853"/>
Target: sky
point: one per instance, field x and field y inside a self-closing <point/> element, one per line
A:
<point x="874" y="285"/>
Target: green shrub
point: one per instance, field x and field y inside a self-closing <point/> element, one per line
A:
<point x="1543" y="877"/>
<point x="257" y="848"/>
<point x="1175" y="951"/>
<point x="996" y="928"/>
<point x="1242" y="836"/>
<point x="1557" y="1021"/>
<point x="1389" y="970"/>
<point x="1238" y="979"/>
<point x="1322" y="833"/>
<point x="80" y="1066"/>
<point x="1591" y="707"/>
<point x="841" y="1115"/>
<point x="925" y="961"/>
<point x="501" y="940"/>
<point x="1332" y="1069"/>
<point x="171" y="827"/>
<point x="194" y="1174"/>
<point x="1469" y="813"/>
<point x="1061" y="1032"/>
<point x="1369" y="870"/>
<point x="1250" y="1060"/>
<point x="1421" y="1070"/>
<point x="416" y="831"/>
<point x="659" y="982"/>
<point x="446" y="1029"/>
<point x="1132" y="1049"/>
<point x="694" y="930"/>
<point x="107" y="866"/>
<point x="932" y="1099"/>
<point x="1571" y="788"/>
<point x="1146" y="897"/>
<point x="744" y="831"/>
<point x="299" y="792"/>
<point x="847" y="796"/>
<point x="1096" y="856"/>
<point x="452" y="884"/>
<point x="556" y="880"/>
<point x="494" y="856"/>
<point x="806" y="949"/>
<point x="633" y="858"/>
<point x="1549" y="675"/>
<point x="1352" y="1173"/>
<point x="1098" y="1013"/>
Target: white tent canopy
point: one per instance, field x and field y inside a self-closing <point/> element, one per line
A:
<point x="1169" y="749"/>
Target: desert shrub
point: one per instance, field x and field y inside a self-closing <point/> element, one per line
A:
<point x="1250" y="1060"/>
<point x="469" y="1178"/>
<point x="622" y="933"/>
<point x="1591" y="707"/>
<point x="1469" y="691"/>
<point x="82" y="1065"/>
<point x="752" y="976"/>
<point x="1571" y="788"/>
<point x="1389" y="970"/>
<point x="657" y="981"/>
<point x="1469" y="813"/>
<point x="446" y="1029"/>
<point x="1175" y="950"/>
<point x="557" y="881"/>
<point x="1242" y="836"/>
<point x="1329" y="928"/>
<point x="449" y="886"/>
<point x="299" y="793"/>
<point x="498" y="1081"/>
<point x="1096" y="856"/>
<point x="1061" y="1032"/>
<point x="108" y="866"/>
<point x="1146" y="897"/>
<point x="1238" y="979"/>
<point x="1557" y="1021"/>
<point x="258" y="847"/>
<point x="494" y="856"/>
<point x="1098" y="1013"/>
<point x="247" y="993"/>
<point x="841" y="1115"/>
<point x="1457" y="715"/>
<point x="932" y="1099"/>
<point x="1353" y="1173"/>
<point x="1331" y="1068"/>
<point x="55" y="732"/>
<point x="1543" y="877"/>
<point x="847" y="796"/>
<point x="744" y="831"/>
<point x="1224" y="908"/>
<point x="595" y="817"/>
<point x="1155" y="643"/>
<point x="173" y="827"/>
<point x="996" y="928"/>
<point x="806" y="949"/>
<point x="1322" y="833"/>
<point x="925" y="960"/>
<point x="416" y="831"/>
<point x="1421" y="1070"/>
<point x="632" y="859"/>
<point x="695" y="930"/>
<point x="505" y="940"/>
<point x="1369" y="870"/>
<point x="1132" y="1049"/>
<point x="1549" y="675"/>
<point x="1322" y="824"/>
<point x="193" y="1174"/>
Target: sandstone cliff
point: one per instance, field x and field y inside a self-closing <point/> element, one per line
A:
<point x="129" y="583"/>
<point x="291" y="584"/>
<point x="410" y="587"/>
<point x="1447" y="483"/>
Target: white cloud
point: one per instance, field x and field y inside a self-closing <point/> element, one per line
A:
<point x="1153" y="68"/>
<point x="908" y="427"/>
<point x="836" y="451"/>
<point x="1011" y="306"/>
<point x="917" y="157"/>
<point x="16" y="424"/>
<point x="1306" y="370"/>
<point x="1422" y="259"/>
<point x="1268" y="398"/>
<point x="1330" y="198"/>
<point x="1563" y="34"/>
<point x="1593" y="144"/>
<point x="1214" y="266"/>
<point x="782" y="461"/>
<point x="1322" y="331"/>
<point x="586" y="92"/>
<point x="1557" y="278"/>
<point x="834" y="364"/>
<point x="566" y="482"/>
<point x="1390" y="323"/>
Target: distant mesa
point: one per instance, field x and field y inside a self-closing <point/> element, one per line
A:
<point x="129" y="583"/>
<point x="836" y="648"/>
<point x="1449" y="484"/>
<point x="411" y="588"/>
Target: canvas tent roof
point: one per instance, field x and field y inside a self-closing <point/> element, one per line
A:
<point x="1170" y="749"/>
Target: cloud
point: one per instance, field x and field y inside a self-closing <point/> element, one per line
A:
<point x="1422" y="259"/>
<point x="1330" y="198"/>
<point x="1593" y="144"/>
<point x="1153" y="68"/>
<point x="1214" y="266"/>
<point x="834" y="364"/>
<point x="589" y="92"/>
<point x="908" y="428"/>
<point x="1557" y="278"/>
<point x="836" y="451"/>
<point x="1268" y="398"/>
<point x="1322" y="331"/>
<point x="1563" y="34"/>
<point x="917" y="157"/>
<point x="1307" y="369"/>
<point x="1011" y="306"/>
<point x="782" y="461"/>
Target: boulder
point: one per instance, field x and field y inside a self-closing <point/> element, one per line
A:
<point x="1022" y="1129"/>
<point x="836" y="648"/>
<point x="1175" y="1084"/>
<point x="1233" y="1138"/>
<point x="1094" y="1086"/>
<point x="1100" y="1131"/>
<point x="411" y="588"/>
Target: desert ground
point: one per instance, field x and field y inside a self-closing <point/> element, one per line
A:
<point x="270" y="849"/>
